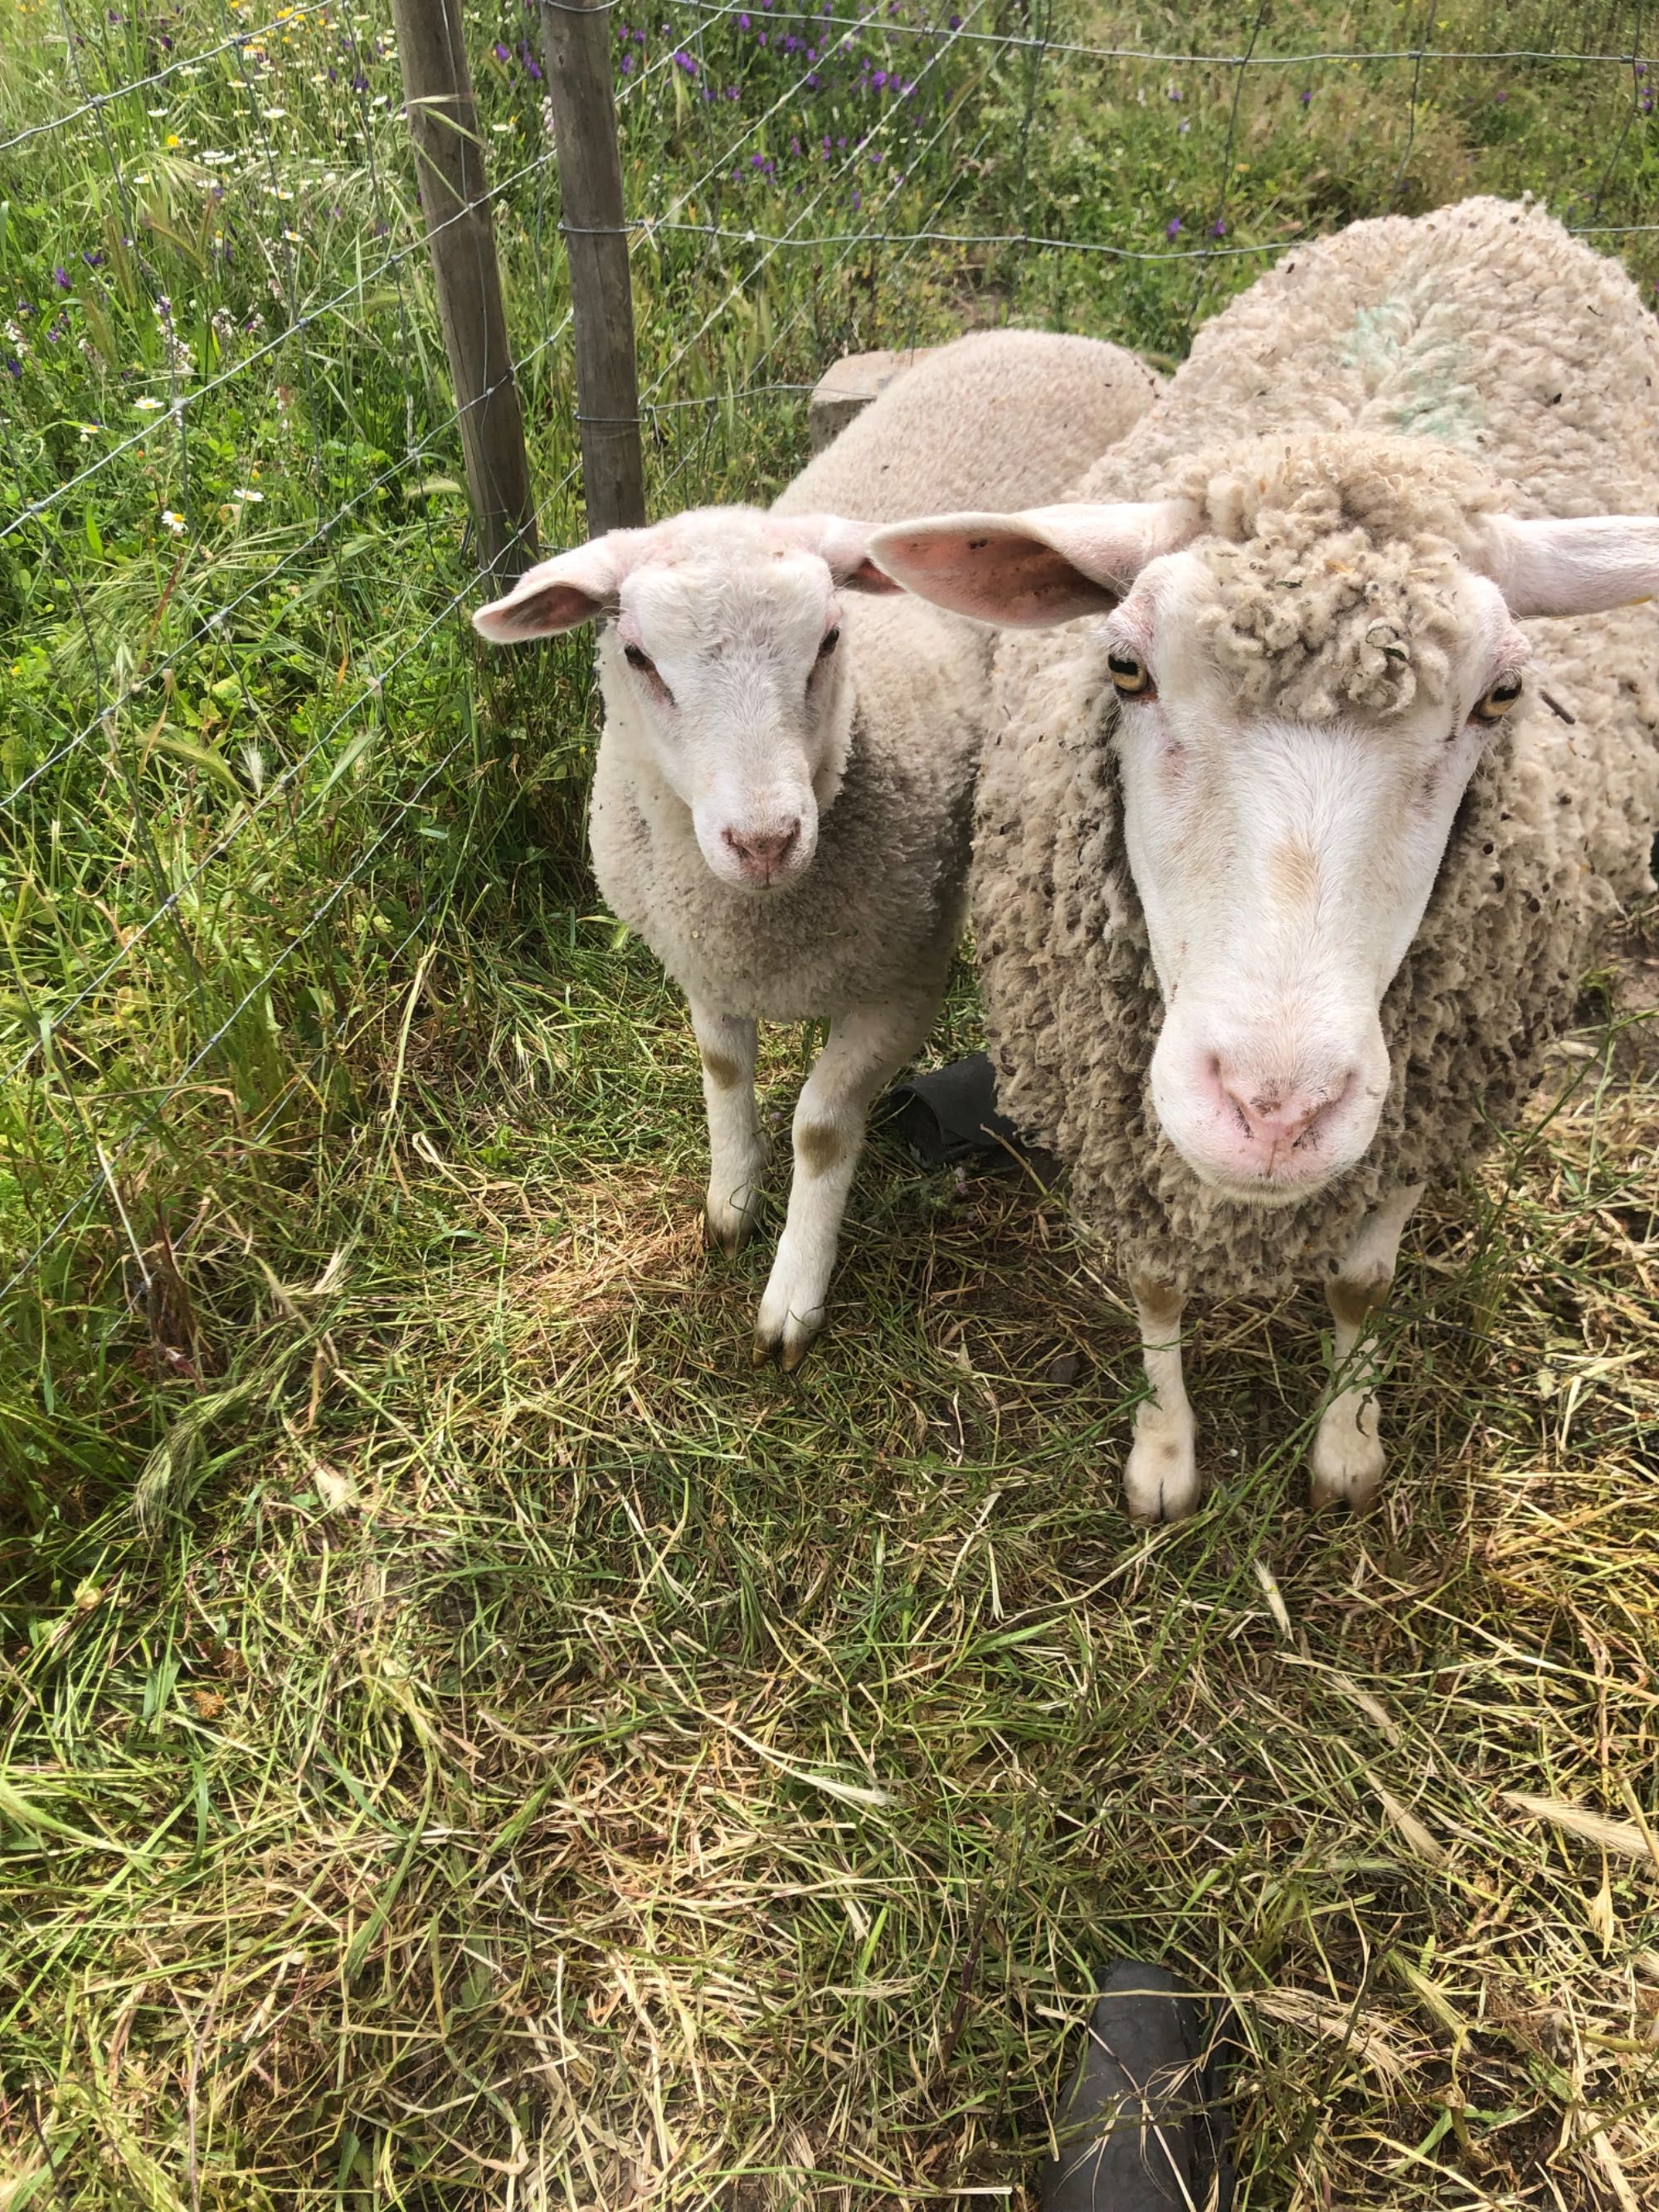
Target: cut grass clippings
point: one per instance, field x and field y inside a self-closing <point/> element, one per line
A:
<point x="467" y="1739"/>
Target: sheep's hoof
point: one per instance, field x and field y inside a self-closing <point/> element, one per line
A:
<point x="1345" y="1467"/>
<point x="1161" y="1480"/>
<point x="789" y="1345"/>
<point x="728" y="1228"/>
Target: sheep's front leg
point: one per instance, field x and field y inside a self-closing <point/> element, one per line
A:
<point x="863" y="1051"/>
<point x="737" y="1148"/>
<point x="1160" y="1482"/>
<point x="1347" y="1458"/>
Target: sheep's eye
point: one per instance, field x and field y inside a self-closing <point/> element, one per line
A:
<point x="637" y="658"/>
<point x="1132" y="677"/>
<point x="1494" y="705"/>
<point x="831" y="640"/>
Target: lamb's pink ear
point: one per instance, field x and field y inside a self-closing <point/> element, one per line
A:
<point x="845" y="545"/>
<point x="1579" y="567"/>
<point x="1030" y="571"/>
<point x="574" y="587"/>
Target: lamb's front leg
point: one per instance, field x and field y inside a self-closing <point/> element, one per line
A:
<point x="1160" y="1482"/>
<point x="737" y="1148"/>
<point x="1347" y="1458"/>
<point x="863" y="1051"/>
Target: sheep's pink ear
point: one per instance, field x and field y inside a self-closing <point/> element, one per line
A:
<point x="1578" y="566"/>
<point x="1030" y="571"/>
<point x="574" y="587"/>
<point x="845" y="546"/>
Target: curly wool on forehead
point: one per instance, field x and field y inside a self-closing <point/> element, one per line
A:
<point x="1329" y="568"/>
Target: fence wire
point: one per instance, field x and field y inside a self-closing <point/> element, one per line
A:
<point x="245" y="732"/>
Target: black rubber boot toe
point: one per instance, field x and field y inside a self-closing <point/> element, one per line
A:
<point x="1139" y="2126"/>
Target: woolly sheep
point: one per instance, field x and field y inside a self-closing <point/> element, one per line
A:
<point x="1288" y="868"/>
<point x="782" y="800"/>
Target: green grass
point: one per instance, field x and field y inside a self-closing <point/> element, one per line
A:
<point x="468" y="1740"/>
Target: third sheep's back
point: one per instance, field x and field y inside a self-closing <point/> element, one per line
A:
<point x="995" y="419"/>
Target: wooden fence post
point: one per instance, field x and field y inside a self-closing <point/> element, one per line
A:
<point x="576" y="40"/>
<point x="449" y="167"/>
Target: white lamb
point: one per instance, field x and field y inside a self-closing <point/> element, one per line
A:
<point x="781" y="803"/>
<point x="1290" y="862"/>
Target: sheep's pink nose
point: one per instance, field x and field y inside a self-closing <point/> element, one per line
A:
<point x="762" y="854"/>
<point x="1271" y="1119"/>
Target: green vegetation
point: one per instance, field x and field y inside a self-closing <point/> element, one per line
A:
<point x="466" y="1739"/>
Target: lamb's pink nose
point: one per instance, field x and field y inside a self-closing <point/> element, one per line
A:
<point x="762" y="853"/>
<point x="1271" y="1121"/>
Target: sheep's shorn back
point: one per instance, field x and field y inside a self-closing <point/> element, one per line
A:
<point x="997" y="420"/>
<point x="1523" y="365"/>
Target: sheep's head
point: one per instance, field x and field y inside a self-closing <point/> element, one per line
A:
<point x="719" y="658"/>
<point x="1306" y="652"/>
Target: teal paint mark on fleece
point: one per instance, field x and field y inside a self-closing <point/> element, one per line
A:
<point x="1431" y="398"/>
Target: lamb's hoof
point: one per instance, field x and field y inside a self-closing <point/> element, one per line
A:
<point x="1161" y="1480"/>
<point x="1345" y="1467"/>
<point x="728" y="1228"/>
<point x="788" y="1345"/>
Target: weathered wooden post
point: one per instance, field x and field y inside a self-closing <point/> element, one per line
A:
<point x="575" y="38"/>
<point x="449" y="167"/>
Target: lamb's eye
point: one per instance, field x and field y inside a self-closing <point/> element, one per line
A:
<point x="1132" y="676"/>
<point x="637" y="658"/>
<point x="831" y="640"/>
<point x="1494" y="705"/>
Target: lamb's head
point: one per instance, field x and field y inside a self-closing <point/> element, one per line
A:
<point x="1299" y="657"/>
<point x="719" y="658"/>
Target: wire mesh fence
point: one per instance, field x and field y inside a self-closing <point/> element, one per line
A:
<point x="252" y="772"/>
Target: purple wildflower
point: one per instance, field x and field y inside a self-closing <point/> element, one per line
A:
<point x="60" y="277"/>
<point x="956" y="22"/>
<point x="879" y="80"/>
<point x="812" y="79"/>
<point x="500" y="52"/>
<point x="627" y="64"/>
<point x="858" y="202"/>
<point x="1502" y="100"/>
<point x="13" y="366"/>
<point x="533" y="68"/>
<point x="1217" y="228"/>
<point x="683" y="60"/>
<point x="1307" y="98"/>
<point x="1172" y="228"/>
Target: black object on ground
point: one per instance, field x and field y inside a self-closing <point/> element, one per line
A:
<point x="1142" y="2125"/>
<point x="950" y="1114"/>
